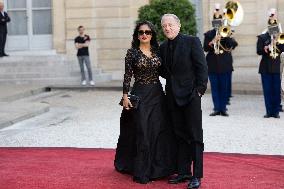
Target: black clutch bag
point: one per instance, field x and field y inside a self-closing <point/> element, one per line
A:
<point x="135" y="100"/>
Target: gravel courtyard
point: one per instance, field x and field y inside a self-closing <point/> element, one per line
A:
<point x="90" y="119"/>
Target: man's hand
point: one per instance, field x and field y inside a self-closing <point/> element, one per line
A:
<point x="198" y="93"/>
<point x="86" y="44"/>
<point x="266" y="49"/>
<point x="215" y="40"/>
<point x="78" y="46"/>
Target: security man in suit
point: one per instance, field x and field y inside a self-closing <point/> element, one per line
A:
<point x="184" y="67"/>
<point x="4" y="19"/>
<point x="220" y="66"/>
<point x="269" y="68"/>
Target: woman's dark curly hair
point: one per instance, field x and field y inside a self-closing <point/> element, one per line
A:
<point x="135" y="41"/>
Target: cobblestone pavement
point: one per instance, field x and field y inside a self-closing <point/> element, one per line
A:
<point x="90" y="119"/>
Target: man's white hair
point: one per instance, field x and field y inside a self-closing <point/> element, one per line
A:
<point x="171" y="15"/>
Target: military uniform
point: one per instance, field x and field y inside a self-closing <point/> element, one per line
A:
<point x="269" y="69"/>
<point x="220" y="66"/>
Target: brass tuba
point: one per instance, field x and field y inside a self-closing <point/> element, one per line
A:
<point x="280" y="38"/>
<point x="276" y="38"/>
<point x="234" y="13"/>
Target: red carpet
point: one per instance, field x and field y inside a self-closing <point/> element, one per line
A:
<point x="68" y="168"/>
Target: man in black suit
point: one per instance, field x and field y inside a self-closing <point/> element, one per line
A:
<point x="4" y="19"/>
<point x="184" y="67"/>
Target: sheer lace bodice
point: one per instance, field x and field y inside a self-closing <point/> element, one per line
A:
<point x="144" y="69"/>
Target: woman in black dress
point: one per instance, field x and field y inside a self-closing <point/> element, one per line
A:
<point x="145" y="147"/>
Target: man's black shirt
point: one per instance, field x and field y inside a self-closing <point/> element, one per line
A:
<point x="171" y="49"/>
<point x="81" y="40"/>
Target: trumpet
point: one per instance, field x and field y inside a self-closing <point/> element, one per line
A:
<point x="273" y="48"/>
<point x="223" y="31"/>
<point x="276" y="38"/>
<point x="234" y="15"/>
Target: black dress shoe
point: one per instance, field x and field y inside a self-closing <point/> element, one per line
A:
<point x="215" y="113"/>
<point x="179" y="179"/>
<point x="276" y="116"/>
<point x="266" y="116"/>
<point x="224" y="113"/>
<point x="5" y="54"/>
<point x="194" y="183"/>
<point x="281" y="110"/>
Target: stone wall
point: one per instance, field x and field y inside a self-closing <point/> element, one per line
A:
<point x="109" y="23"/>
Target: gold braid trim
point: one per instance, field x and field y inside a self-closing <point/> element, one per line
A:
<point x="226" y="49"/>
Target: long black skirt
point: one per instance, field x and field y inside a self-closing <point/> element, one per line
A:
<point x="146" y="146"/>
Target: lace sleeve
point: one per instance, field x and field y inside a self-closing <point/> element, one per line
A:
<point x="128" y="71"/>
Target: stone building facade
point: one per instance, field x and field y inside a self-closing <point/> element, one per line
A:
<point x="110" y="24"/>
<point x="254" y="23"/>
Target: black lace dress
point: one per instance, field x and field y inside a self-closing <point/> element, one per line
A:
<point x="146" y="147"/>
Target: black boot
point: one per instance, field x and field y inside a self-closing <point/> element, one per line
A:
<point x="215" y="113"/>
<point x="266" y="116"/>
<point x="224" y="113"/>
<point x="194" y="183"/>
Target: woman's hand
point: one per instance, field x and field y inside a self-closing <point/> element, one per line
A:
<point x="126" y="102"/>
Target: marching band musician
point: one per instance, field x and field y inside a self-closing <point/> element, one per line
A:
<point x="219" y="65"/>
<point x="217" y="13"/>
<point x="269" y="68"/>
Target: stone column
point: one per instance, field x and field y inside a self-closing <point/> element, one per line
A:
<point x="58" y="20"/>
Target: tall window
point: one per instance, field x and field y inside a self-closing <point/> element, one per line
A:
<point x="41" y="10"/>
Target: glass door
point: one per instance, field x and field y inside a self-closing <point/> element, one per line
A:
<point x="31" y="24"/>
<point x="41" y="24"/>
<point x="18" y="27"/>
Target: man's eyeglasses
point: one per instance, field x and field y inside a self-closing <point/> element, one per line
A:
<point x="147" y="32"/>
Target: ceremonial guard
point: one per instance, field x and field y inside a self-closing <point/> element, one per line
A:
<point x="270" y="45"/>
<point x="218" y="43"/>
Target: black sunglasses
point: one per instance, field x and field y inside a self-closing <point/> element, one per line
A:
<point x="147" y="32"/>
